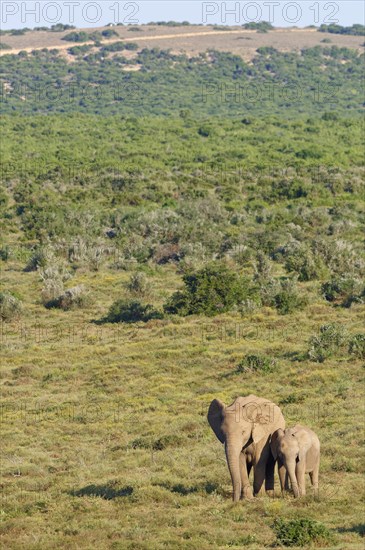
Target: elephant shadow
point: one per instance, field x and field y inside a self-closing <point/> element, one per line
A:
<point x="184" y="490"/>
<point x="107" y="491"/>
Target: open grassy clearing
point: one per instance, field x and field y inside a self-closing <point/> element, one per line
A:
<point x="106" y="439"/>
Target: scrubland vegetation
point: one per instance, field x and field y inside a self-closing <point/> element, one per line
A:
<point x="161" y="252"/>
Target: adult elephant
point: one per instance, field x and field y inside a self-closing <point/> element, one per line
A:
<point x="245" y="427"/>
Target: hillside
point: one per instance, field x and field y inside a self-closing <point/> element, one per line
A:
<point x="193" y="39"/>
<point x="121" y="79"/>
<point x="164" y="242"/>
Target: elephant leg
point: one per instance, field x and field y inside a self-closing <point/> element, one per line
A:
<point x="300" y="474"/>
<point x="246" y="487"/>
<point x="314" y="479"/>
<point x="269" y="475"/>
<point x="287" y="488"/>
<point x="283" y="477"/>
<point x="259" y="471"/>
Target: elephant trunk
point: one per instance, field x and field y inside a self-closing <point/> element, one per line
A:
<point x="293" y="478"/>
<point x="233" y="461"/>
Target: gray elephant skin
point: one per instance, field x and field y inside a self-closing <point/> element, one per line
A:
<point x="245" y="428"/>
<point x="297" y="451"/>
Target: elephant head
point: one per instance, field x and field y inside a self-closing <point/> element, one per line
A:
<point x="248" y="420"/>
<point x="290" y="447"/>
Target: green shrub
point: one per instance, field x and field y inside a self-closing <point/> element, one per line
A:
<point x="38" y="259"/>
<point x="115" y="47"/>
<point x="81" y="36"/>
<point x="305" y="264"/>
<point x="257" y="363"/>
<point x="288" y="300"/>
<point x="128" y="311"/>
<point x="331" y="339"/>
<point x="73" y="298"/>
<point x="138" y="284"/>
<point x="211" y="290"/>
<point x="10" y="306"/>
<point x="357" y="346"/>
<point x="344" y="291"/>
<point x="79" y="50"/>
<point x="108" y="33"/>
<point x="301" y="532"/>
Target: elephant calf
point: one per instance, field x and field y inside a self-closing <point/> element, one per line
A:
<point x="297" y="451"/>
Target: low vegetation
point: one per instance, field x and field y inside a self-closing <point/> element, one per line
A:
<point x="302" y="532"/>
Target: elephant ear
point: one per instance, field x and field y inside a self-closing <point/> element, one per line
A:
<point x="258" y="431"/>
<point x="274" y="442"/>
<point x="215" y="418"/>
<point x="304" y="445"/>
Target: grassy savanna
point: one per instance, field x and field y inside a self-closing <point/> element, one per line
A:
<point x="105" y="438"/>
<point x="112" y="205"/>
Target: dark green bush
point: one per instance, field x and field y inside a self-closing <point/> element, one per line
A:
<point x="344" y="291"/>
<point x="357" y="346"/>
<point x="257" y="363"/>
<point x="301" y="532"/>
<point x="129" y="311"/>
<point x="108" y="33"/>
<point x="81" y="36"/>
<point x="73" y="298"/>
<point x="262" y="26"/>
<point x="211" y="290"/>
<point x="330" y="340"/>
<point x="115" y="47"/>
<point x="38" y="259"/>
<point x="288" y="300"/>
<point x="305" y="264"/>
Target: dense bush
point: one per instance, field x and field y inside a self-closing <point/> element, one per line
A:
<point x="108" y="33"/>
<point x="357" y="346"/>
<point x="257" y="363"/>
<point x="356" y="29"/>
<point x="288" y="299"/>
<point x="39" y="258"/>
<point x="10" y="306"/>
<point x="211" y="290"/>
<point x="305" y="264"/>
<point x="344" y="291"/>
<point x="301" y="532"/>
<point x="73" y="298"/>
<point x="129" y="311"/>
<point x="330" y="340"/>
<point x="179" y="79"/>
<point x="138" y="284"/>
<point x="262" y="26"/>
<point x="79" y="50"/>
<point x="115" y="47"/>
<point x="83" y="36"/>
